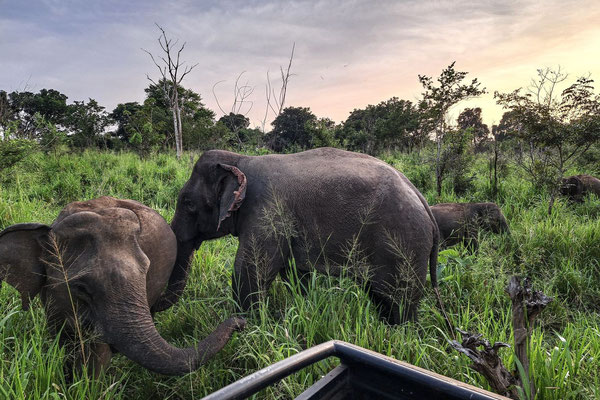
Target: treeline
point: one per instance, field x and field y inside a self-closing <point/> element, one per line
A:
<point x="47" y="118"/>
<point x="544" y="130"/>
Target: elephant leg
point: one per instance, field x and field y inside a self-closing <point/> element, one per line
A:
<point x="96" y="358"/>
<point x="256" y="266"/>
<point x="294" y="276"/>
<point x="397" y="293"/>
<point x="394" y="312"/>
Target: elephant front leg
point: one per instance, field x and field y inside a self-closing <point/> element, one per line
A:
<point x="256" y="266"/>
<point x="90" y="356"/>
<point x="96" y="358"/>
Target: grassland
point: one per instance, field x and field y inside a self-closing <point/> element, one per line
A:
<point x="561" y="252"/>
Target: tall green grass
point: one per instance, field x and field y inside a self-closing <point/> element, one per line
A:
<point x="560" y="252"/>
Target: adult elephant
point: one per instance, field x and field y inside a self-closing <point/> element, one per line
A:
<point x="99" y="267"/>
<point x="576" y="187"/>
<point x="329" y="209"/>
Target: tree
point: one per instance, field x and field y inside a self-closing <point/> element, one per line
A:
<point x="291" y="129"/>
<point x="7" y="114"/>
<point x="87" y="123"/>
<point x="122" y="115"/>
<point x="49" y="103"/>
<point x="323" y="133"/>
<point x="439" y="98"/>
<point x="555" y="129"/>
<point x="235" y="122"/>
<point x="391" y="124"/>
<point x="51" y="138"/>
<point x="471" y="118"/>
<point x="152" y="122"/>
<point x="172" y="72"/>
<point x="501" y="134"/>
<point x="144" y="129"/>
<point x="456" y="158"/>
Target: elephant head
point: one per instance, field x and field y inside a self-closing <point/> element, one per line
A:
<point x="101" y="265"/>
<point x="573" y="187"/>
<point x="205" y="209"/>
<point x="491" y="217"/>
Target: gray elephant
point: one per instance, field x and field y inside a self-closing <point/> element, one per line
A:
<point x="576" y="187"/>
<point x="331" y="210"/>
<point x="105" y="261"/>
<point x="460" y="222"/>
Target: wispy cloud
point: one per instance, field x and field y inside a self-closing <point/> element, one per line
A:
<point x="348" y="54"/>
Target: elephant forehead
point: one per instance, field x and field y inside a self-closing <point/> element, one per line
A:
<point x="97" y="261"/>
<point x="107" y="223"/>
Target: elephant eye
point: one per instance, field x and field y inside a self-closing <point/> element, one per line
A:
<point x="81" y="290"/>
<point x="189" y="204"/>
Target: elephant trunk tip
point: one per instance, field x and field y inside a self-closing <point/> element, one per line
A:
<point x="237" y="323"/>
<point x="211" y="345"/>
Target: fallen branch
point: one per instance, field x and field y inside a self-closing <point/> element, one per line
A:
<point x="487" y="362"/>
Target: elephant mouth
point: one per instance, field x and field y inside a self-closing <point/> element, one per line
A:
<point x="197" y="243"/>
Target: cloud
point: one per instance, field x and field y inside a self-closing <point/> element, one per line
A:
<point x="348" y="54"/>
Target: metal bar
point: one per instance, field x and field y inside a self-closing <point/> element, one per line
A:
<point x="253" y="383"/>
<point x="331" y="383"/>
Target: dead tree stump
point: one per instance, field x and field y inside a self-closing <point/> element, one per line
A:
<point x="526" y="306"/>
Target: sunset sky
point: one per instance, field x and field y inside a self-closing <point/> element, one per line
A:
<point x="348" y="53"/>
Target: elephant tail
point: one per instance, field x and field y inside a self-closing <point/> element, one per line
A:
<point x="433" y="257"/>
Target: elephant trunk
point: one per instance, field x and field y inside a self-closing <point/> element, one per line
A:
<point x="179" y="276"/>
<point x="131" y="330"/>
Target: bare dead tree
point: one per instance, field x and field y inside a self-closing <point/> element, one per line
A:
<point x="276" y="101"/>
<point x="172" y="71"/>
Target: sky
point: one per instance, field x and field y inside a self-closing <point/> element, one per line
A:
<point x="348" y="54"/>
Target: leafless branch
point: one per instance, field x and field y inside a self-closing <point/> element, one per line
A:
<point x="275" y="101"/>
<point x="215" y="96"/>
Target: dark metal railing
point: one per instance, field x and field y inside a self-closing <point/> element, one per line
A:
<point x="362" y="374"/>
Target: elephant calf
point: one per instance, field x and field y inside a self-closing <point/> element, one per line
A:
<point x="460" y="222"/>
<point x="577" y="186"/>
<point x="107" y="261"/>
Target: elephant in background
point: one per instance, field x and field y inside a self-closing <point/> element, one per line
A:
<point x="576" y="187"/>
<point x="460" y="222"/>
<point x="98" y="268"/>
<point x="330" y="210"/>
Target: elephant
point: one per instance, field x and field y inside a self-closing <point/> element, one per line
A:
<point x="98" y="268"/>
<point x="577" y="186"/>
<point x="460" y="222"/>
<point x="330" y="210"/>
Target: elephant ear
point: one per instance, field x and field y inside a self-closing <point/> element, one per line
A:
<point x="21" y="247"/>
<point x="233" y="191"/>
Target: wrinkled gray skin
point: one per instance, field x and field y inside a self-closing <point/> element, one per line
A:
<point x="117" y="256"/>
<point x="460" y="222"/>
<point x="576" y="187"/>
<point x="320" y="206"/>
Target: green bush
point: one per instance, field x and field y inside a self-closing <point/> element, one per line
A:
<point x="14" y="150"/>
